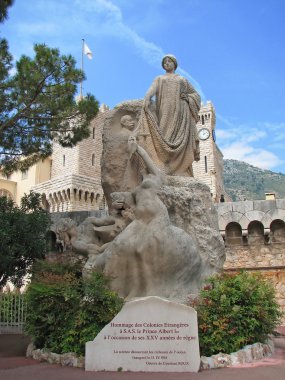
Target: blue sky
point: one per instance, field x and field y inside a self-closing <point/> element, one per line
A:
<point x="233" y="52"/>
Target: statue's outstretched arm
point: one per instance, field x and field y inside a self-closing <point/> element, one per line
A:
<point x="150" y="166"/>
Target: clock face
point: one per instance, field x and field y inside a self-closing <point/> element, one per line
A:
<point x="204" y="134"/>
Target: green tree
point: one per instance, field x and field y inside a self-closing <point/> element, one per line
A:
<point x="22" y="237"/>
<point x="4" y="4"/>
<point x="38" y="105"/>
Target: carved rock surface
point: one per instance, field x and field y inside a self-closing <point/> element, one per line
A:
<point x="115" y="157"/>
<point x="190" y="207"/>
<point x="174" y="244"/>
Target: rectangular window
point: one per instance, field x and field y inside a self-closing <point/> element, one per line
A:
<point x="206" y="164"/>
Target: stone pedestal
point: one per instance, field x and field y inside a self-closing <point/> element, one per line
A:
<point x="148" y="335"/>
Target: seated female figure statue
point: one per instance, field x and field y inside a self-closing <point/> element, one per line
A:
<point x="169" y="125"/>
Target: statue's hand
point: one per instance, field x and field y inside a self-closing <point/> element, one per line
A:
<point x="132" y="145"/>
<point x="184" y="96"/>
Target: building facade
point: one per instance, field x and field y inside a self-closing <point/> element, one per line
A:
<point x="19" y="183"/>
<point x="75" y="181"/>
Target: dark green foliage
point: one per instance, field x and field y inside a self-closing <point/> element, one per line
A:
<point x="65" y="311"/>
<point x="4" y="4"/>
<point x="37" y="104"/>
<point x="22" y="237"/>
<point x="246" y="182"/>
<point x="235" y="310"/>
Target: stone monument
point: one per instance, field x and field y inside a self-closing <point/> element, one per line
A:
<point x="149" y="334"/>
<point x="168" y="241"/>
<point x="161" y="239"/>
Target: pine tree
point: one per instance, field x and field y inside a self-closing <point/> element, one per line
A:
<point x="37" y="104"/>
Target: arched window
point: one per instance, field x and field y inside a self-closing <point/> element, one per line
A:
<point x="93" y="159"/>
<point x="277" y="231"/>
<point x="93" y="133"/>
<point x="203" y="120"/>
<point x="233" y="234"/>
<point x="255" y="233"/>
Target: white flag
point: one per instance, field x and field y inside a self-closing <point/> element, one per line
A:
<point x="86" y="50"/>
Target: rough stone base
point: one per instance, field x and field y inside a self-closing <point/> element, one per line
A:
<point x="248" y="354"/>
<point x="69" y="359"/>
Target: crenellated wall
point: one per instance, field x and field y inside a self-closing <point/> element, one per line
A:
<point x="75" y="183"/>
<point x="254" y="235"/>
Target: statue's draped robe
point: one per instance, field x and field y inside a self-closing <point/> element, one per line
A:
<point x="169" y="133"/>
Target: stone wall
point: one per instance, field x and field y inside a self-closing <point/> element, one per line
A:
<point x="71" y="193"/>
<point x="87" y="165"/>
<point x="254" y="234"/>
<point x="263" y="263"/>
<point x="75" y="183"/>
<point x="78" y="160"/>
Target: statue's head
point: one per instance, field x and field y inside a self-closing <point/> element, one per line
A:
<point x="172" y="58"/>
<point x="127" y="122"/>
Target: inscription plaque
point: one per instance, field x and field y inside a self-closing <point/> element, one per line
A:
<point x="149" y="334"/>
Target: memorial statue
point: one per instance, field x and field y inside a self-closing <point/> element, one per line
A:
<point x="161" y="236"/>
<point x="150" y="256"/>
<point x="167" y="128"/>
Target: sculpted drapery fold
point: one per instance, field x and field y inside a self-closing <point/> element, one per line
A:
<point x="168" y="126"/>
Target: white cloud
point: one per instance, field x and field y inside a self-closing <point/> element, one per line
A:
<point x="257" y="157"/>
<point x="115" y="26"/>
<point x="92" y="18"/>
<point x="251" y="144"/>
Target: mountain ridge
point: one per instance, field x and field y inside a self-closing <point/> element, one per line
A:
<point x="243" y="181"/>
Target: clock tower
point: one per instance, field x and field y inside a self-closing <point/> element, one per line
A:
<point x="209" y="169"/>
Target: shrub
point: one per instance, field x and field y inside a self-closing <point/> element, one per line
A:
<point x="64" y="310"/>
<point x="235" y="310"/>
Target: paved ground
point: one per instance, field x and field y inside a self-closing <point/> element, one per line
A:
<point x="14" y="366"/>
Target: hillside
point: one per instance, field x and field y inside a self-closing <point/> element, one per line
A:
<point x="245" y="182"/>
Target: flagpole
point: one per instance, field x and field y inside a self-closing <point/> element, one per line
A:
<point x="81" y="85"/>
